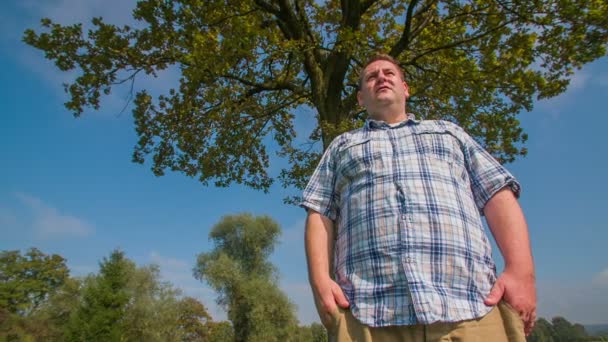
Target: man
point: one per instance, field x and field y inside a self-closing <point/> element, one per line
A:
<point x="395" y="245"/>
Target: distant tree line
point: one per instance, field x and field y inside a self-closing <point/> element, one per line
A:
<point x="40" y="301"/>
<point x="561" y="330"/>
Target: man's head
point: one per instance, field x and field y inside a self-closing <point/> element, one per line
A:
<point x="382" y="89"/>
<point x="380" y="57"/>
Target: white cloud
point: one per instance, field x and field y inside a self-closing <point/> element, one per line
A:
<point x="47" y="222"/>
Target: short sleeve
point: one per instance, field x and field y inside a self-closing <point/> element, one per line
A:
<point x="487" y="175"/>
<point x="320" y="195"/>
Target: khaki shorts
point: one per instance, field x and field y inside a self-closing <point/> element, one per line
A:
<point x="501" y="324"/>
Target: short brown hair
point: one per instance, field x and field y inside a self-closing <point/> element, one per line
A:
<point x="380" y="57"/>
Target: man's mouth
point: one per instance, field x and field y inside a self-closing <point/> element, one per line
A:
<point x="382" y="88"/>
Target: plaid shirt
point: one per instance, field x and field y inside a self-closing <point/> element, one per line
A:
<point x="407" y="202"/>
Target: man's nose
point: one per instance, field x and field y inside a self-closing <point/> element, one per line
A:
<point x="381" y="77"/>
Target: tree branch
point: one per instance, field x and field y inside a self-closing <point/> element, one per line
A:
<point x="270" y="112"/>
<point x="292" y="29"/>
<point x="404" y="41"/>
<point x="428" y="19"/>
<point x="267" y="7"/>
<point x="219" y="21"/>
<point x="459" y="42"/>
<point x="366" y="4"/>
<point x="268" y="86"/>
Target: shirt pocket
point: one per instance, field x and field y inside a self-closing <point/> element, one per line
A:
<point x="443" y="154"/>
<point x="361" y="160"/>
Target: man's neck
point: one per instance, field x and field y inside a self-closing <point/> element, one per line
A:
<point x="390" y="117"/>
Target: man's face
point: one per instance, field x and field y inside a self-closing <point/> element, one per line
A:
<point x="382" y="85"/>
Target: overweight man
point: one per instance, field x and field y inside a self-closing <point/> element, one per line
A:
<point x="395" y="244"/>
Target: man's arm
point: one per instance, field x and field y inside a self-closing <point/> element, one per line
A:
<point x="516" y="285"/>
<point x="319" y="239"/>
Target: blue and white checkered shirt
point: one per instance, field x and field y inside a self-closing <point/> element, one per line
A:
<point x="406" y="202"/>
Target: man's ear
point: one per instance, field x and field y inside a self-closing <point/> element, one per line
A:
<point x="407" y="90"/>
<point x="360" y="98"/>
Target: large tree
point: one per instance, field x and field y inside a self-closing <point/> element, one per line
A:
<point x="543" y="332"/>
<point x="564" y="331"/>
<point x="245" y="280"/>
<point x="27" y="280"/>
<point x="124" y="302"/>
<point x="38" y="301"/>
<point x="193" y="320"/>
<point x="101" y="314"/>
<point x="249" y="67"/>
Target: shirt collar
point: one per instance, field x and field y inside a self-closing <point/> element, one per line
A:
<point x="371" y="124"/>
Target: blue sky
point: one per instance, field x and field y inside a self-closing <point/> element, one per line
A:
<point x="68" y="186"/>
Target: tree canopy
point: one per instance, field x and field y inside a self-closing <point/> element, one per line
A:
<point x="247" y="68"/>
<point x="560" y="330"/>
<point x="238" y="269"/>
<point x="122" y="302"/>
<point x="101" y="314"/>
<point x="27" y="280"/>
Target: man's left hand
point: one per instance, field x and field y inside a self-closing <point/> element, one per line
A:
<point x="519" y="291"/>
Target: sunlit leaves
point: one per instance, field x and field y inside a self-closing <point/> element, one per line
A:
<point x="238" y="269"/>
<point x="247" y="67"/>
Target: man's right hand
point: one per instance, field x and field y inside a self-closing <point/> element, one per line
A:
<point x="328" y="296"/>
<point x="319" y="238"/>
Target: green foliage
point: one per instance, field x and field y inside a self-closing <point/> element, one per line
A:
<point x="27" y="280"/>
<point x="238" y="269"/>
<point x="129" y="303"/>
<point x="154" y="309"/>
<point x="312" y="333"/>
<point x="220" y="332"/>
<point x="26" y="283"/>
<point x="101" y="314"/>
<point x="246" y="242"/>
<point x="560" y="330"/>
<point x="55" y="313"/>
<point x="194" y="320"/>
<point x="247" y="67"/>
<point x="566" y="331"/>
<point x="319" y="334"/>
<point x="542" y="332"/>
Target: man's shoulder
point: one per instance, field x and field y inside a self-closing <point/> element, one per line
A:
<point x="347" y="137"/>
<point x="440" y="125"/>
